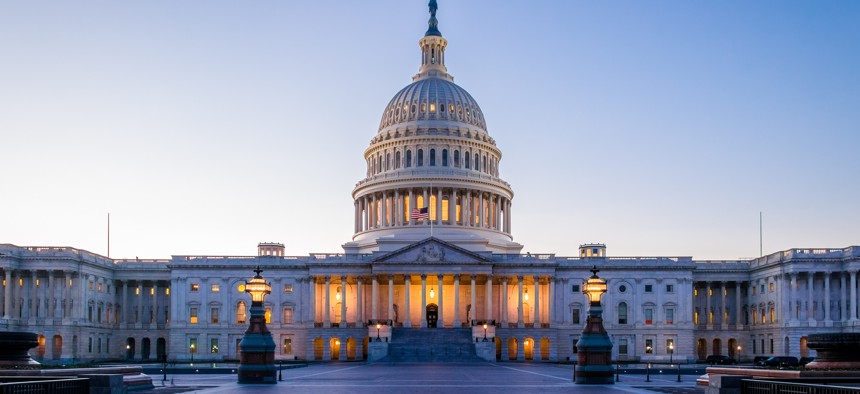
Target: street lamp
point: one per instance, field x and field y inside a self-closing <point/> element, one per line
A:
<point x="378" y="326"/>
<point x="485" y="332"/>
<point x="128" y="351"/>
<point x="192" y="349"/>
<point x="594" y="349"/>
<point x="257" y="348"/>
<point x="739" y="354"/>
<point x="671" y="351"/>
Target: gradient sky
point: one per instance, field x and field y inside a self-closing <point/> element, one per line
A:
<point x="204" y="127"/>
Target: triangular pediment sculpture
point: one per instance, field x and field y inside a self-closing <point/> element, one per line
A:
<point x="431" y="250"/>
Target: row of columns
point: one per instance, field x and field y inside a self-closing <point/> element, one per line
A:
<point x="38" y="300"/>
<point x="540" y="284"/>
<point x="144" y="302"/>
<point x="847" y="304"/>
<point x="394" y="208"/>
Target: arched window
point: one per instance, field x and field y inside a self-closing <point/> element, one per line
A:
<point x="387" y="161"/>
<point x="622" y="313"/>
<point x="379" y="163"/>
<point x="397" y="160"/>
<point x="408" y="158"/>
<point x="477" y="162"/>
<point x="432" y="157"/>
<point x="457" y="159"/>
<point x="484" y="166"/>
<point x="240" y="313"/>
<point x="467" y="161"/>
<point x="420" y="157"/>
<point x="444" y="158"/>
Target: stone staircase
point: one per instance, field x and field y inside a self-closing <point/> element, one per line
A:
<point x="431" y="345"/>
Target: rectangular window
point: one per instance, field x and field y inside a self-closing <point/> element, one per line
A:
<point x="195" y="287"/>
<point x="167" y="291"/>
<point x="287" y="347"/>
<point x="213" y="315"/>
<point x="268" y="315"/>
<point x="192" y="345"/>
<point x="288" y="288"/>
<point x="288" y="315"/>
<point x="755" y="350"/>
<point x="215" y="288"/>
<point x="90" y="345"/>
<point x="695" y="292"/>
<point x="762" y="288"/>
<point x="649" y="288"/>
<point x="649" y="316"/>
<point x="575" y="288"/>
<point x="193" y="316"/>
<point x="649" y="346"/>
<point x="213" y="345"/>
<point x="91" y="285"/>
<point x="670" y="288"/>
<point x="670" y="316"/>
<point x="151" y="291"/>
<point x="575" y="315"/>
<point x="101" y="286"/>
<point x="622" y="346"/>
<point x="771" y="287"/>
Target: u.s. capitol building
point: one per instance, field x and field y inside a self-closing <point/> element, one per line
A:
<point x="453" y="266"/>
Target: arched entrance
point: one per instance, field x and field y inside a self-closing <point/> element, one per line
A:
<point x="717" y="349"/>
<point x="432" y="315"/>
<point x="544" y="348"/>
<point x="145" y="349"/>
<point x="129" y="348"/>
<point x="364" y="348"/>
<point x="350" y="348"/>
<point x="58" y="347"/>
<point x="334" y="345"/>
<point x="318" y="348"/>
<point x="702" y="349"/>
<point x="529" y="349"/>
<point x="161" y="348"/>
<point x="498" y="348"/>
<point x="512" y="349"/>
<point x="40" y="349"/>
<point x="733" y="346"/>
<point x="804" y="351"/>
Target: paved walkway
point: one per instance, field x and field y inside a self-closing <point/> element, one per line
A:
<point x="474" y="378"/>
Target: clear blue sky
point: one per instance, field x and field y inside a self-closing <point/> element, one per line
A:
<point x="204" y="127"/>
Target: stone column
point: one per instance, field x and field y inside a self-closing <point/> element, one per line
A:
<point x="374" y="298"/>
<point x="397" y="208"/>
<point x="537" y="302"/>
<point x="551" y="303"/>
<point x="374" y="214"/>
<point x="327" y="311"/>
<point x="407" y="278"/>
<point x="155" y="304"/>
<point x="423" y="300"/>
<point x="441" y="301"/>
<point x="383" y="215"/>
<point x="481" y="210"/>
<point x="33" y="307"/>
<point x="810" y="296"/>
<point x="738" y="320"/>
<point x="67" y="295"/>
<point x="474" y="311"/>
<point x="520" y="323"/>
<point x="391" y="298"/>
<point x="466" y="208"/>
<point x="7" y="294"/>
<point x="504" y="311"/>
<point x="826" y="296"/>
<point x="489" y="298"/>
<point x="48" y="296"/>
<point x="312" y="299"/>
<point x="456" y="298"/>
<point x="852" y="302"/>
<point x="452" y="215"/>
<point x="359" y="308"/>
<point x="139" y="299"/>
<point x="795" y="297"/>
<point x="708" y="290"/>
<point x="723" y="306"/>
<point x="343" y="286"/>
<point x="439" y="209"/>
<point x="426" y="204"/>
<point x="411" y="206"/>
<point x="843" y="296"/>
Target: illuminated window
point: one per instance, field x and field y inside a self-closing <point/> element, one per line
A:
<point x="445" y="209"/>
<point x="576" y="313"/>
<point x="151" y="291"/>
<point x="213" y="345"/>
<point x="100" y="287"/>
<point x="91" y="285"/>
<point x="215" y="288"/>
<point x="4" y="282"/>
<point x="193" y="316"/>
<point x="710" y="317"/>
<point x="192" y="345"/>
<point x="432" y="207"/>
<point x="70" y="283"/>
<point x="167" y="291"/>
<point x="770" y="285"/>
<point x="696" y="317"/>
<point x="695" y="292"/>
<point x="710" y="292"/>
<point x="268" y="315"/>
<point x="288" y="315"/>
<point x="432" y="107"/>
<point x="137" y="291"/>
<point x="288" y="288"/>
<point x="38" y="282"/>
<point x="649" y="346"/>
<point x="195" y="287"/>
<point x="670" y="345"/>
<point x="240" y="312"/>
<point x="772" y="315"/>
<point x="20" y="282"/>
<point x="213" y="315"/>
<point x="423" y="107"/>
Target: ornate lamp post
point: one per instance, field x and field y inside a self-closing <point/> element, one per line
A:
<point x="594" y="347"/>
<point x="257" y="360"/>
<point x="485" y="332"/>
<point x="378" y="326"/>
<point x="671" y="352"/>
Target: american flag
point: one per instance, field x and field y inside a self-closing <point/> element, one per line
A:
<point x="420" y="213"/>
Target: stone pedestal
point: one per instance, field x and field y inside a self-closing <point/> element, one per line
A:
<point x="594" y="351"/>
<point x="257" y="359"/>
<point x="835" y="350"/>
<point x="486" y="350"/>
<point x="376" y="350"/>
<point x="14" y="350"/>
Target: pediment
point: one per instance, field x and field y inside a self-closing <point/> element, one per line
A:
<point x="431" y="251"/>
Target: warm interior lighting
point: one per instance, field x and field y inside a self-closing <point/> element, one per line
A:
<point x="337" y="295"/>
<point x="241" y="287"/>
<point x="432" y="293"/>
<point x="337" y="342"/>
<point x="526" y="295"/>
<point x="257" y="287"/>
<point x="594" y="287"/>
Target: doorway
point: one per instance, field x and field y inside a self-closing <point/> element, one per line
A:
<point x="432" y="315"/>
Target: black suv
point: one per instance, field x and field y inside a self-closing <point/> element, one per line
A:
<point x="779" y="361"/>
<point x="720" y="360"/>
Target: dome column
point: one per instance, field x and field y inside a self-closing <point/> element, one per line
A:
<point x="482" y="210"/>
<point x="384" y="209"/>
<point x="452" y="207"/>
<point x="411" y="207"/>
<point x="426" y="204"/>
<point x="398" y="210"/>
<point x="438" y="206"/>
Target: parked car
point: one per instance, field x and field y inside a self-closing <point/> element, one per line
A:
<point x="780" y="361"/>
<point x="806" y="360"/>
<point x="758" y="359"/>
<point x="720" y="360"/>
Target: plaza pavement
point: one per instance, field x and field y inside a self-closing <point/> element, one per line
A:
<point x="473" y="378"/>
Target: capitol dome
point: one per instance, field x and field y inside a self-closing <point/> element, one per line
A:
<point x="432" y="98"/>
<point x="432" y="168"/>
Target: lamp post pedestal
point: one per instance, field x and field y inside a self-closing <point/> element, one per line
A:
<point x="594" y="349"/>
<point x="257" y="357"/>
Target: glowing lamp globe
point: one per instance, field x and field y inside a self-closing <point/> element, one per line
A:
<point x="594" y="287"/>
<point x="257" y="287"/>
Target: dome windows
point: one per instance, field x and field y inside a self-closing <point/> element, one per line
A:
<point x="413" y="108"/>
<point x="420" y="158"/>
<point x="408" y="158"/>
<point x="432" y="157"/>
<point x="467" y="160"/>
<point x="444" y="158"/>
<point x="423" y="107"/>
<point x="451" y="108"/>
<point x="397" y="160"/>
<point x="457" y="159"/>
<point x="432" y="107"/>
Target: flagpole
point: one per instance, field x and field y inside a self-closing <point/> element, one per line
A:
<point x="428" y="209"/>
<point x="108" y="235"/>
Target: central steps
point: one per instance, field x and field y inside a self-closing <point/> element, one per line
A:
<point x="431" y="345"/>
